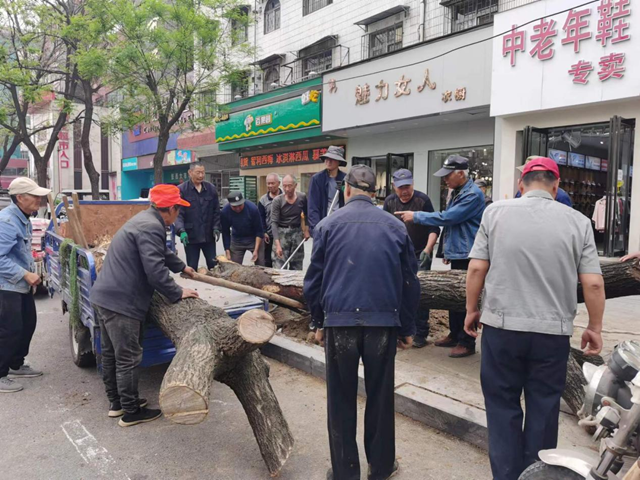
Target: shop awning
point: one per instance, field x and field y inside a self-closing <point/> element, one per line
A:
<point x="271" y="58"/>
<point x="382" y="15"/>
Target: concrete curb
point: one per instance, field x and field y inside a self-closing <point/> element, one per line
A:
<point x="443" y="413"/>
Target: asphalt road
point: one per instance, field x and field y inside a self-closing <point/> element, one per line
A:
<point x="57" y="428"/>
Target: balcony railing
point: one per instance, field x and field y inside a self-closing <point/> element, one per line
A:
<point x="310" y="66"/>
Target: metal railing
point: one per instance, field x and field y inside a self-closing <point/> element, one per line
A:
<point x="311" y="66"/>
<point x="382" y="41"/>
<point x="453" y="16"/>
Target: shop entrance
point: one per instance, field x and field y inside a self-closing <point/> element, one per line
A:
<point x="384" y="167"/>
<point x="595" y="162"/>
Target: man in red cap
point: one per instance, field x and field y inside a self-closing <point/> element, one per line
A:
<point x="138" y="263"/>
<point x="529" y="255"/>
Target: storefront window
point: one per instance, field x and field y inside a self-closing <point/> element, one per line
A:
<point x="384" y="168"/>
<point x="480" y="168"/>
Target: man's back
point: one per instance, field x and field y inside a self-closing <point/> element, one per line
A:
<point x="536" y="248"/>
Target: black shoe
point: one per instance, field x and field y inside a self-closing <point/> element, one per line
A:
<point x="393" y="473"/>
<point x="419" y="342"/>
<point x="115" y="408"/>
<point x="143" y="415"/>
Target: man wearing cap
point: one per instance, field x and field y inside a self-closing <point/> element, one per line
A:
<point x="561" y="196"/>
<point x="138" y="263"/>
<point x="286" y="222"/>
<point x="528" y="314"/>
<point x="363" y="297"/>
<point x="264" y="207"/>
<point x="482" y="185"/>
<point x="423" y="237"/>
<point x="460" y="220"/>
<point x="325" y="187"/>
<point x="199" y="224"/>
<point x="17" y="278"/>
<point x="241" y="229"/>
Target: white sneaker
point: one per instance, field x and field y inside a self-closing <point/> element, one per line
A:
<point x="25" y="371"/>
<point x="9" y="386"/>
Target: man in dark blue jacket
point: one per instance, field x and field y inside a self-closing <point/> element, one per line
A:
<point x="364" y="295"/>
<point x="461" y="221"/>
<point x="241" y="229"/>
<point x="324" y="185"/>
<point x="199" y="224"/>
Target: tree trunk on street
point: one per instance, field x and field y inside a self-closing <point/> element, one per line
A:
<point x="211" y="345"/>
<point x="158" y="158"/>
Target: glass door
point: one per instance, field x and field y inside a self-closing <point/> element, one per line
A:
<point x="618" y="194"/>
<point x="535" y="141"/>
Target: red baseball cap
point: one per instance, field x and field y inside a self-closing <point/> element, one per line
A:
<point x="164" y="196"/>
<point x="541" y="164"/>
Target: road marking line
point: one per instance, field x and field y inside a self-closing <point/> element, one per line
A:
<point x="91" y="452"/>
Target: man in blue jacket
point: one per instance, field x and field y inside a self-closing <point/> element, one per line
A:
<point x="461" y="221"/>
<point x="17" y="308"/>
<point x="199" y="224"/>
<point x="324" y="186"/>
<point x="364" y="295"/>
<point x="241" y="229"/>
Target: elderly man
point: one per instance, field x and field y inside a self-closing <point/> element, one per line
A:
<point x="17" y="278"/>
<point x="562" y="196"/>
<point x="460" y="220"/>
<point x="139" y="263"/>
<point x="286" y="216"/>
<point x="424" y="238"/>
<point x="264" y="207"/>
<point x="528" y="314"/>
<point x="364" y="295"/>
<point x="482" y="185"/>
<point x="241" y="229"/>
<point x="199" y="224"/>
<point x="325" y="187"/>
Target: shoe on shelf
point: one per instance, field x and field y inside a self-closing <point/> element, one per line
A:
<point x="461" y="351"/>
<point x="447" y="342"/>
<point x="419" y="342"/>
<point x="115" y="408"/>
<point x="25" y="371"/>
<point x="9" y="386"/>
<point x="143" y="415"/>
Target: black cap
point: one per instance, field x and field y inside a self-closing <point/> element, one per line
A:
<point x="361" y="177"/>
<point x="235" y="199"/>
<point x="451" y="164"/>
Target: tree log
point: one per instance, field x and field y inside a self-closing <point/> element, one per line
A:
<point x="211" y="345"/>
<point x="440" y="290"/>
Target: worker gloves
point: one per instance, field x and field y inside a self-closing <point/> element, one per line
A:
<point x="216" y="234"/>
<point x="425" y="261"/>
<point x="184" y="238"/>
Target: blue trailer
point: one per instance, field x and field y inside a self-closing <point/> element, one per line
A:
<point x="85" y="339"/>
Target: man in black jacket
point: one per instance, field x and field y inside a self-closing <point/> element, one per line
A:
<point x="138" y="263"/>
<point x="364" y="294"/>
<point x="199" y="224"/>
<point x="424" y="237"/>
<point x="325" y="185"/>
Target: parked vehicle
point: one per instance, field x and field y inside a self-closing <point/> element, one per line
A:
<point x="84" y="339"/>
<point x="612" y="406"/>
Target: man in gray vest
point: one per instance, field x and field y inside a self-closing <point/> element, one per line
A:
<point x="264" y="207"/>
<point x="529" y="255"/>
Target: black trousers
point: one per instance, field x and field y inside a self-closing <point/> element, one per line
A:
<point x="512" y="363"/>
<point x="18" y="320"/>
<point x="422" y="317"/>
<point x="193" y="254"/>
<point x="344" y="346"/>
<point x="268" y="247"/>
<point x="456" y="319"/>
<point x="121" y="344"/>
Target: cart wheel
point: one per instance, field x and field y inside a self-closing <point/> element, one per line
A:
<point x="81" y="351"/>
<point x="542" y="471"/>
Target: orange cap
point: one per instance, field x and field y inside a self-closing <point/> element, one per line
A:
<point x="164" y="196"/>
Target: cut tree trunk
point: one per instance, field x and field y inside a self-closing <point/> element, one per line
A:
<point x="446" y="291"/>
<point x="440" y="290"/>
<point x="211" y="345"/>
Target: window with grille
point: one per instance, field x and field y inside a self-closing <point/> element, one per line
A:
<point x="272" y="16"/>
<point x="271" y="75"/>
<point x="317" y="57"/>
<point x="240" y="26"/>
<point x="385" y="41"/>
<point x="310" y="6"/>
<point x="471" y="13"/>
<point x="240" y="85"/>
